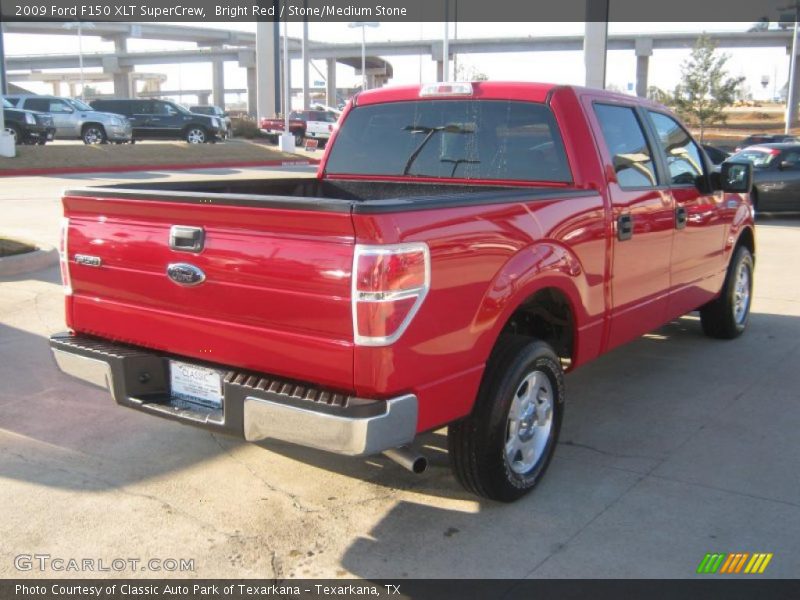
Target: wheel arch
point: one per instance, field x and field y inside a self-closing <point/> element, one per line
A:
<point x="538" y="293"/>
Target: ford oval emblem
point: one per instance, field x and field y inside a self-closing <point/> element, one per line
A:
<point x="185" y="274"/>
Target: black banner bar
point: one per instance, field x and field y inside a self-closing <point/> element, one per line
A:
<point x="155" y="11"/>
<point x="438" y="589"/>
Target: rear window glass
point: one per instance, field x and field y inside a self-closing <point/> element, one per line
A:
<point x="464" y="139"/>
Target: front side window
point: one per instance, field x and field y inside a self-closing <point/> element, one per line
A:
<point x="627" y="145"/>
<point x="684" y="159"/>
<point x="463" y="139"/>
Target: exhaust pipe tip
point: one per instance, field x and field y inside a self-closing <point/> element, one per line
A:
<point x="408" y="459"/>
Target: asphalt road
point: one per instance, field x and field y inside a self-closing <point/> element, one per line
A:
<point x="672" y="447"/>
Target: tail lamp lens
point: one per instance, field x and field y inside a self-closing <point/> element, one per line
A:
<point x="389" y="285"/>
<point x="63" y="254"/>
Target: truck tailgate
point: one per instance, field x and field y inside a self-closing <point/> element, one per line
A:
<point x="276" y="293"/>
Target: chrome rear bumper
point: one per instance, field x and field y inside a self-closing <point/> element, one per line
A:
<point x="255" y="407"/>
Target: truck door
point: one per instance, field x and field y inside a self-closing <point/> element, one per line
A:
<point x="643" y="217"/>
<point x="698" y="259"/>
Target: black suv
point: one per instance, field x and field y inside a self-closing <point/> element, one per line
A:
<point x="27" y="126"/>
<point x="161" y="119"/>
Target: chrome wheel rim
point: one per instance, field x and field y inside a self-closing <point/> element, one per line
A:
<point x="93" y="136"/>
<point x="530" y="420"/>
<point x="12" y="132"/>
<point x="741" y="293"/>
<point x="196" y="136"/>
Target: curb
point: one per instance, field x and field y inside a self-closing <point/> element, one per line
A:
<point x="178" y="167"/>
<point x="18" y="264"/>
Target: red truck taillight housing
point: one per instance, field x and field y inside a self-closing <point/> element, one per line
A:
<point x="389" y="285"/>
<point x="63" y="256"/>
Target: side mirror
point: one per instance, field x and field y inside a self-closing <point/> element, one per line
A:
<point x="736" y="177"/>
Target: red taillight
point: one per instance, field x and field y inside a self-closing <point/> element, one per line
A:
<point x="63" y="253"/>
<point x="389" y="285"/>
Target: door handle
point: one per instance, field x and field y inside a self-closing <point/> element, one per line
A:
<point x="625" y="227"/>
<point x="680" y="217"/>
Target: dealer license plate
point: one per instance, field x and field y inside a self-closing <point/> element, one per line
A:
<point x="191" y="383"/>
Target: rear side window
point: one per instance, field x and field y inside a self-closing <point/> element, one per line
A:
<point x="464" y="139"/>
<point x="624" y="138"/>
<point x="40" y="104"/>
<point x="684" y="160"/>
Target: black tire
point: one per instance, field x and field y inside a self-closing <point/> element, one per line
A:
<point x="41" y="142"/>
<point x="14" y="132"/>
<point x="478" y="443"/>
<point x="195" y="134"/>
<point x="133" y="141"/>
<point x="754" y="199"/>
<point x="93" y="134"/>
<point x="726" y="317"/>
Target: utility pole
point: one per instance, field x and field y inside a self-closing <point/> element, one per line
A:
<point x="791" y="93"/>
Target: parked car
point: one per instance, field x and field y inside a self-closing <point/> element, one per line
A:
<point x="74" y="119"/>
<point x="303" y="124"/>
<point x="462" y="246"/>
<point x="716" y="155"/>
<point x="27" y="126"/>
<point x="161" y="119"/>
<point x="776" y="176"/>
<point x="215" y="111"/>
<point x="273" y="127"/>
<point x="765" y="138"/>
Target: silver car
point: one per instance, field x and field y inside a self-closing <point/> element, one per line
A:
<point x="75" y="119"/>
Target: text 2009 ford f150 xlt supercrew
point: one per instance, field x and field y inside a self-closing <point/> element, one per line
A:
<point x="461" y="247"/>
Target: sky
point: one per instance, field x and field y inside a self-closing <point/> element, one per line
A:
<point x="557" y="67"/>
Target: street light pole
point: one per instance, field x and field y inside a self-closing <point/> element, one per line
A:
<point x="286" y="138"/>
<point x="363" y="57"/>
<point x="363" y="25"/>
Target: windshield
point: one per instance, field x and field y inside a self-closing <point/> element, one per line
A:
<point x="760" y="157"/>
<point x="464" y="139"/>
<point x="80" y="105"/>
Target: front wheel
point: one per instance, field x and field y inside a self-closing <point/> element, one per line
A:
<point x="196" y="135"/>
<point x="726" y="317"/>
<point x="502" y="450"/>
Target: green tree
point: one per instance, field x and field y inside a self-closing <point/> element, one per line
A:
<point x="705" y="88"/>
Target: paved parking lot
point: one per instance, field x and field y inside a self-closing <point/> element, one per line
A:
<point x="672" y="447"/>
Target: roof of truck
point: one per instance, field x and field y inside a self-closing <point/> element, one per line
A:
<point x="492" y="90"/>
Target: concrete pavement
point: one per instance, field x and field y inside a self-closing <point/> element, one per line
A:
<point x="673" y="446"/>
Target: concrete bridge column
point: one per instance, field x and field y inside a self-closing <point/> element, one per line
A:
<point x="595" y="39"/>
<point x="218" y="82"/>
<point x="644" y="50"/>
<point x="330" y="83"/>
<point x="439" y="70"/>
<point x="265" y="68"/>
<point x="252" y="95"/>
<point x="792" y="92"/>
<point x="121" y="75"/>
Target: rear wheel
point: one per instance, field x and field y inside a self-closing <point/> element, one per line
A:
<point x="196" y="135"/>
<point x="93" y="134"/>
<point x="726" y="317"/>
<point x="14" y="132"/>
<point x="502" y="450"/>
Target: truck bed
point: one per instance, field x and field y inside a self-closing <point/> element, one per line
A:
<point x="307" y="193"/>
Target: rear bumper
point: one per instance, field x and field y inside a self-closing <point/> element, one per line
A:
<point x="255" y="406"/>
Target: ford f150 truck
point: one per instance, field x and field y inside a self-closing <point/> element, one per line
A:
<point x="461" y="247"/>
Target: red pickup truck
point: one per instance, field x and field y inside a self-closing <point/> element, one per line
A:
<point x="461" y="247"/>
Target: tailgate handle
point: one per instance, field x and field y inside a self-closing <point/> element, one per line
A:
<point x="186" y="239"/>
